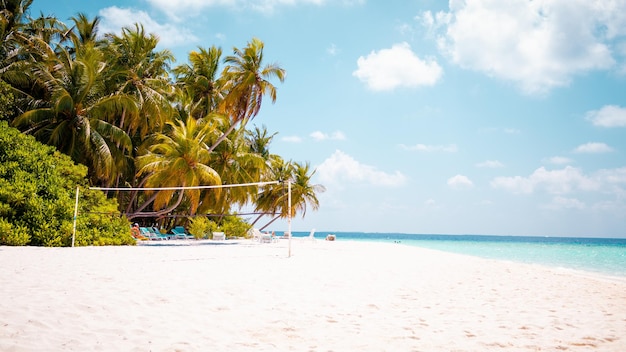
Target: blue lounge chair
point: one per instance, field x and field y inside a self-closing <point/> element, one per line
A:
<point x="147" y="232"/>
<point x="155" y="230"/>
<point x="156" y="234"/>
<point x="180" y="233"/>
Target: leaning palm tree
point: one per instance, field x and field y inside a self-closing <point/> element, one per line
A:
<point x="236" y="164"/>
<point x="303" y="192"/>
<point x="273" y="199"/>
<point x="246" y="79"/>
<point x="176" y="158"/>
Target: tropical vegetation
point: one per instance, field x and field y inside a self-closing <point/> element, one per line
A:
<point x="116" y="104"/>
<point x="37" y="198"/>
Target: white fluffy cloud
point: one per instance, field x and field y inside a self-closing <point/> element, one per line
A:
<point x="608" y="116"/>
<point x="321" y="136"/>
<point x="613" y="180"/>
<point x="593" y="147"/>
<point x="538" y="45"/>
<point x="341" y="167"/>
<point x="604" y="190"/>
<point x="398" y="66"/>
<point x="460" y="182"/>
<point x="554" y="182"/>
<point x="559" y="202"/>
<point x="114" y="18"/>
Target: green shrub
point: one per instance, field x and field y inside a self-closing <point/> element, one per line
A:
<point x="37" y="195"/>
<point x="13" y="236"/>
<point x="7" y="102"/>
<point x="234" y="226"/>
<point x="201" y="227"/>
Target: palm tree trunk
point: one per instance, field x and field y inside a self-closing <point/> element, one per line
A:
<point x="222" y="137"/>
<point x="146" y="203"/>
<point x="269" y="223"/>
<point x="259" y="218"/>
<point x="149" y="214"/>
<point x="133" y="196"/>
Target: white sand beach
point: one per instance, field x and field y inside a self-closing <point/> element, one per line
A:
<point x="328" y="296"/>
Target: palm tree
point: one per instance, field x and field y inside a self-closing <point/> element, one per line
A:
<point x="273" y="199"/>
<point x="246" y="79"/>
<point x="13" y="16"/>
<point x="236" y="164"/>
<point x="259" y="140"/>
<point x="140" y="71"/>
<point x="200" y="80"/>
<point x="27" y="41"/>
<point x="84" y="31"/>
<point x="78" y="117"/>
<point x="176" y="158"/>
<point x="302" y="191"/>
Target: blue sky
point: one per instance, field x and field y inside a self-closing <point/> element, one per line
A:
<point x="460" y="117"/>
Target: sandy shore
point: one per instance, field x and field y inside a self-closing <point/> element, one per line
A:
<point x="328" y="296"/>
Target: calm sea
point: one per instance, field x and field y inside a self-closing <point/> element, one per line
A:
<point x="602" y="255"/>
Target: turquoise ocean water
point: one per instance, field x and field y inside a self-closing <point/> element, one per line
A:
<point x="601" y="255"/>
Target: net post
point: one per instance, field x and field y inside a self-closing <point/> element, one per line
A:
<point x="75" y="216"/>
<point x="289" y="216"/>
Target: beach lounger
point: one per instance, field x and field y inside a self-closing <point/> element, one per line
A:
<point x="157" y="234"/>
<point x="256" y="235"/>
<point x="147" y="232"/>
<point x="180" y="233"/>
<point x="266" y="238"/>
<point x="155" y="230"/>
<point x="262" y="237"/>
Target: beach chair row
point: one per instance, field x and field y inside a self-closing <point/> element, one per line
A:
<point x="153" y="233"/>
<point x="177" y="233"/>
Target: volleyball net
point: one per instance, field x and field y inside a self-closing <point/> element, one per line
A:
<point x="183" y="188"/>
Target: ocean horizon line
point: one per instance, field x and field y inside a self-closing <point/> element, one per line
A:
<point x="377" y="233"/>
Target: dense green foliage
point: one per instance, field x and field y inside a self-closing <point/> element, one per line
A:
<point x="7" y="102"/>
<point x="201" y="227"/>
<point x="112" y="102"/>
<point x="37" y="197"/>
<point x="234" y="226"/>
<point x="13" y="235"/>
